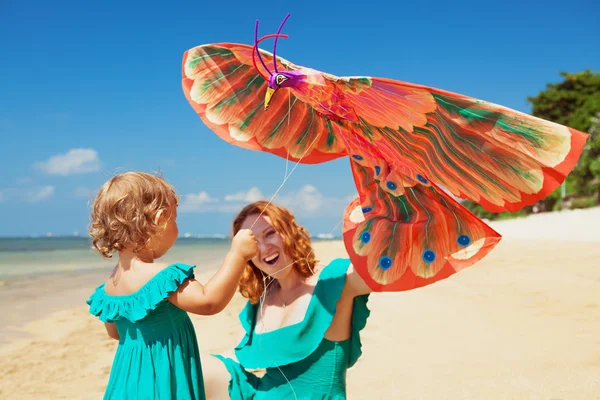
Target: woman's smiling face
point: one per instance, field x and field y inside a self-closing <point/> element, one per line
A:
<point x="271" y="258"/>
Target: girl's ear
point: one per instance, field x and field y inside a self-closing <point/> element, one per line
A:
<point x="160" y="215"/>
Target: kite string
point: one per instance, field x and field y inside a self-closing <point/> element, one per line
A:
<point x="262" y="301"/>
<point x="286" y="178"/>
<point x="265" y="287"/>
<point x="287" y="153"/>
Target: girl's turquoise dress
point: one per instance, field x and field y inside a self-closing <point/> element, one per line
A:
<point x="157" y="356"/>
<point x="314" y="366"/>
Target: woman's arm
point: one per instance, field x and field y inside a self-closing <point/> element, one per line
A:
<point x="341" y="326"/>
<point x="355" y="285"/>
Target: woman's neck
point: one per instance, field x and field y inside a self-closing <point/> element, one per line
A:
<point x="290" y="281"/>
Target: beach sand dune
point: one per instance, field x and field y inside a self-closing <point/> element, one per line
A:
<point x="522" y="324"/>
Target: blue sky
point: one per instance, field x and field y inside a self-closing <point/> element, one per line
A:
<point x="89" y="89"/>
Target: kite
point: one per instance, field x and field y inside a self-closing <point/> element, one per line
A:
<point x="413" y="151"/>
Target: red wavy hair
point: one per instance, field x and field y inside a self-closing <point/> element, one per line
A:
<point x="296" y="244"/>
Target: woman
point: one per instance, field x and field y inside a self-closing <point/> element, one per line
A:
<point x="303" y="331"/>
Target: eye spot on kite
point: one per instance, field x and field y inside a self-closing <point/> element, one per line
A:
<point x="385" y="262"/>
<point x="391" y="185"/>
<point x="357" y="157"/>
<point x="377" y="170"/>
<point x="367" y="209"/>
<point x="422" y="179"/>
<point x="463" y="240"/>
<point x="429" y="256"/>
<point x="365" y="237"/>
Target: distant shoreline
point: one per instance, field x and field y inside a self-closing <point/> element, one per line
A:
<point x="199" y="237"/>
<point x="316" y="238"/>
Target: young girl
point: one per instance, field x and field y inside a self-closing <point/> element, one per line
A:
<point x="144" y="304"/>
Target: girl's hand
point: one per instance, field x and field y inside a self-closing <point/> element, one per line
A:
<point x="213" y="297"/>
<point x="245" y="244"/>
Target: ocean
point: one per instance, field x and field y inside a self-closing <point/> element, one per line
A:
<point x="40" y="276"/>
<point x="24" y="258"/>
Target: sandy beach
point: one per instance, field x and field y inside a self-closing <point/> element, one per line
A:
<point x="522" y="324"/>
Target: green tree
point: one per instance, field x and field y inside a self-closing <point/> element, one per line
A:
<point x="485" y="214"/>
<point x="592" y="152"/>
<point x="574" y="102"/>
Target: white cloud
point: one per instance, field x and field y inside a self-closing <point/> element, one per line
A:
<point x="308" y="201"/>
<point x="29" y="195"/>
<point x="197" y="202"/>
<point x="204" y="202"/>
<point x="252" y="195"/>
<point x="75" y="161"/>
<point x="39" y="194"/>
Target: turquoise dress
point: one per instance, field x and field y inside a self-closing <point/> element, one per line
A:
<point x="157" y="356"/>
<point x="314" y="366"/>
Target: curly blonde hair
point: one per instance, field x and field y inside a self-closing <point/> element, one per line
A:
<point x="296" y="242"/>
<point x="125" y="209"/>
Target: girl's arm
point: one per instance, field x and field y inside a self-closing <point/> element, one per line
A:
<point x="111" y="329"/>
<point x="213" y="297"/>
